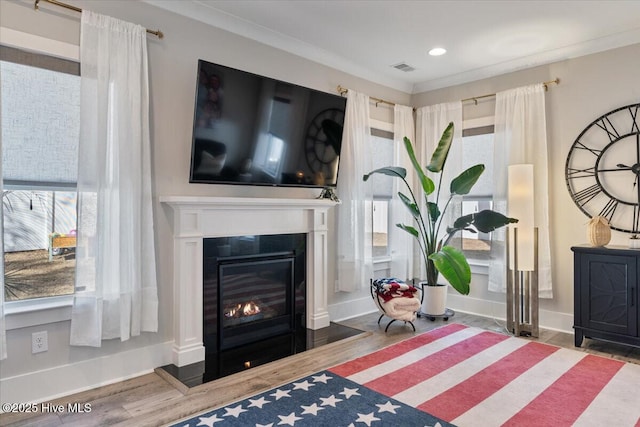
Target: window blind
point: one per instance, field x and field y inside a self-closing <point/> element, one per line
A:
<point x="40" y="124"/>
<point x="382" y="155"/>
<point x="478" y="149"/>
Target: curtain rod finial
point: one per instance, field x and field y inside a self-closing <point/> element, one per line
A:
<point x="546" y="84"/>
<point x="158" y="33"/>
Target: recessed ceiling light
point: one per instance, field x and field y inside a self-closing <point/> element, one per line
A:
<point x="437" y="51"/>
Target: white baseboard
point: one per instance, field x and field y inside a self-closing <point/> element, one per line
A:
<point x="188" y="354"/>
<point x="552" y="320"/>
<point x="73" y="378"/>
<point x="350" y="309"/>
<point x="480" y="307"/>
<point x="562" y="322"/>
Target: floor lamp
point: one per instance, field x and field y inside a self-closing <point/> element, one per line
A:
<point x="522" y="254"/>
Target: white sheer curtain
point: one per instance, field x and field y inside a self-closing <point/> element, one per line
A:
<point x="521" y="137"/>
<point x="399" y="240"/>
<point x="116" y="290"/>
<point x="3" y="334"/>
<point x="431" y="121"/>
<point x="354" y="243"/>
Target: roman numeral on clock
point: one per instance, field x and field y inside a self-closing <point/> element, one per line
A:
<point x="606" y="125"/>
<point x="584" y="196"/>
<point x="609" y="209"/>
<point x="634" y="117"/>
<point x="580" y="145"/>
<point x="581" y="173"/>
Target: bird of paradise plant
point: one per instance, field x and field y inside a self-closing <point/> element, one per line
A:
<point x="432" y="235"/>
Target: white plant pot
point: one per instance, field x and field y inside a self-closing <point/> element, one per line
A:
<point x="435" y="300"/>
<point x="634" y="243"/>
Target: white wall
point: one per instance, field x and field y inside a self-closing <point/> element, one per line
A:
<point x="172" y="64"/>
<point x="590" y="86"/>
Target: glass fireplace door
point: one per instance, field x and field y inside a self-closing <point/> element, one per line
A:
<point x="255" y="298"/>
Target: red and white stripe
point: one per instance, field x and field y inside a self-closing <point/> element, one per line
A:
<point x="472" y="377"/>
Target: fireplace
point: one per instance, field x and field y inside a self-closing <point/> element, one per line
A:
<point x="253" y="288"/>
<point x="194" y="219"/>
<point x="198" y="222"/>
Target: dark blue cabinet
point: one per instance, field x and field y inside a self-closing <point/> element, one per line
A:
<point x="606" y="294"/>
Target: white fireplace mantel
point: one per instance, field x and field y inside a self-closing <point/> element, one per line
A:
<point x="196" y="218"/>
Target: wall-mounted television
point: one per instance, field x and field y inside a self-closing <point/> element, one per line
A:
<point x="255" y="130"/>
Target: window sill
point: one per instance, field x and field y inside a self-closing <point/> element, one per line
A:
<point x="382" y="259"/>
<point x="22" y="314"/>
<point x="479" y="266"/>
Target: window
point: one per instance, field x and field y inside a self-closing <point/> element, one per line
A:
<point x="271" y="148"/>
<point x="478" y="148"/>
<point x="40" y="132"/>
<point x="382" y="150"/>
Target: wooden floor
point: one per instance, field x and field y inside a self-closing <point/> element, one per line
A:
<point x="152" y="400"/>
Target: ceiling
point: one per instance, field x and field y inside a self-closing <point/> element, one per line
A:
<point x="366" y="38"/>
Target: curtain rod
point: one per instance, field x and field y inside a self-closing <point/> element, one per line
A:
<point x="475" y="99"/>
<point x="343" y="90"/>
<point x="156" y="33"/>
<point x="491" y="95"/>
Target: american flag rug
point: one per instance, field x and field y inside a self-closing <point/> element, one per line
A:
<point x="454" y="375"/>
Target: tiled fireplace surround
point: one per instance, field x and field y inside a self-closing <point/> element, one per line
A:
<point x="197" y="218"/>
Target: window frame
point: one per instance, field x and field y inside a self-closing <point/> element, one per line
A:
<point x="470" y="127"/>
<point x="387" y="255"/>
<point x="382" y="129"/>
<point x="40" y="311"/>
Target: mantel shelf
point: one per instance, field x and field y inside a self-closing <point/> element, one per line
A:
<point x="198" y="202"/>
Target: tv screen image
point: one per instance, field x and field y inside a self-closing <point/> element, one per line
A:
<point x="250" y="129"/>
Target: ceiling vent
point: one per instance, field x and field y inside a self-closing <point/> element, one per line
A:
<point x="404" y="67"/>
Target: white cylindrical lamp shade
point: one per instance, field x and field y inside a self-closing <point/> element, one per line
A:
<point x="520" y="206"/>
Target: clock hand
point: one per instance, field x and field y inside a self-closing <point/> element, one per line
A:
<point x="615" y="170"/>
<point x="620" y="166"/>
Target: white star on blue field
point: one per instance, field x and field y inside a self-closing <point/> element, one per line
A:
<point x="320" y="399"/>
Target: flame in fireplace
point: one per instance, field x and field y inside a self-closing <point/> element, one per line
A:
<point x="243" y="309"/>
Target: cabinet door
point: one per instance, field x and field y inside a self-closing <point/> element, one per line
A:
<point x="608" y="293"/>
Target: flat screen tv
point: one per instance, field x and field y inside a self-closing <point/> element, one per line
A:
<point x="250" y="129"/>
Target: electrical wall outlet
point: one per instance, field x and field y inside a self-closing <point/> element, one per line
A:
<point x="39" y="342"/>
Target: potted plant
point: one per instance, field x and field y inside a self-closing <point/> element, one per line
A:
<point x="432" y="235"/>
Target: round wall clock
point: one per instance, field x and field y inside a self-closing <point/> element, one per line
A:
<point x="603" y="169"/>
<point x="323" y="140"/>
